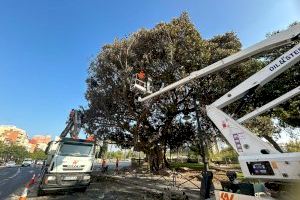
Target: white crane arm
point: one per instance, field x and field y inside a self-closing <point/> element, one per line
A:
<point x="270" y="105"/>
<point x="261" y="77"/>
<point x="241" y="139"/>
<point x="73" y="124"/>
<point x="276" y="40"/>
<point x="232" y="130"/>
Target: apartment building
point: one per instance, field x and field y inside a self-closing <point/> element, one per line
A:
<point x="40" y="142"/>
<point x="10" y="134"/>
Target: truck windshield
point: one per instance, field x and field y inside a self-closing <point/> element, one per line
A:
<point x="75" y="149"/>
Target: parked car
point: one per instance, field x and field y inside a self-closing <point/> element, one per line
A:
<point x="10" y="164"/>
<point x="39" y="162"/>
<point x="26" y="163"/>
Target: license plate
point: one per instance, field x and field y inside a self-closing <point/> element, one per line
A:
<point x="70" y="178"/>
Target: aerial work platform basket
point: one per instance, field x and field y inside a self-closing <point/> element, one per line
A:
<point x="141" y="84"/>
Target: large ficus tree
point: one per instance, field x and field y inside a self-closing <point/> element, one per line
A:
<point x="167" y="53"/>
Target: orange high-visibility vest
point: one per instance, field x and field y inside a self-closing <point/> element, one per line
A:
<point x="141" y="75"/>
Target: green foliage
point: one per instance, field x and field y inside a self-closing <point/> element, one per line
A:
<point x="2" y="148"/>
<point x="264" y="127"/>
<point x="38" y="155"/>
<point x="119" y="154"/>
<point x="289" y="113"/>
<point x="293" y="146"/>
<point x="240" y="175"/>
<point x="227" y="154"/>
<point x="13" y="152"/>
<point x="19" y="153"/>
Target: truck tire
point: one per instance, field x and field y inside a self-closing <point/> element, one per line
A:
<point x="82" y="189"/>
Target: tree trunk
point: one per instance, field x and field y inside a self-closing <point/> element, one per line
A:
<point x="216" y="145"/>
<point x="275" y="145"/>
<point x="165" y="158"/>
<point x="155" y="159"/>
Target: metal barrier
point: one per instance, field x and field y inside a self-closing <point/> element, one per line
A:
<point x="171" y="178"/>
<point x="170" y="182"/>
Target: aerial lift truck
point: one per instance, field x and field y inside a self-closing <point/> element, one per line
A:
<point x="69" y="160"/>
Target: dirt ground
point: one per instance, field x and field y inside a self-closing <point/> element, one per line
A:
<point x="133" y="185"/>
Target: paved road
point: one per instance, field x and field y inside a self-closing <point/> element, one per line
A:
<point x="15" y="177"/>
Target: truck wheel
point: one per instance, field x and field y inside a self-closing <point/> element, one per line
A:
<point x="40" y="192"/>
<point x="82" y="189"/>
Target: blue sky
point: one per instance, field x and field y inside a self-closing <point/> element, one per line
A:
<point x="46" y="46"/>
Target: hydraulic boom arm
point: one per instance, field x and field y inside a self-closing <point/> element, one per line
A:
<point x="73" y="124"/>
<point x="270" y="105"/>
<point x="279" y="39"/>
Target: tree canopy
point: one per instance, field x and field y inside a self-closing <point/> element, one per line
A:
<point x="168" y="52"/>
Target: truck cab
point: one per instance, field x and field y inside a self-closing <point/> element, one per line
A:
<point x="68" y="166"/>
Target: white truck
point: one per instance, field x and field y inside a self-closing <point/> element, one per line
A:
<point x="69" y="160"/>
<point x="258" y="159"/>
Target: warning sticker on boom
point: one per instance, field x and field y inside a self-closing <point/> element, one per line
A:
<point x="237" y="142"/>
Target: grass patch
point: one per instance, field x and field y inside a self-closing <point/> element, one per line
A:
<point x="240" y="175"/>
<point x="236" y="166"/>
<point x="194" y="166"/>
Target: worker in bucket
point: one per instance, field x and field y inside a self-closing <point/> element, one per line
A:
<point x="141" y="75"/>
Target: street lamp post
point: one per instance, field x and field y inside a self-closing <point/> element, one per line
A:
<point x="200" y="136"/>
<point x="139" y="158"/>
<point x="206" y="175"/>
<point x="138" y="140"/>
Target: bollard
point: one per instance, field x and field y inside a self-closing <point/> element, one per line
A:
<point x="174" y="178"/>
<point x="24" y="194"/>
<point x="32" y="181"/>
<point x="206" y="184"/>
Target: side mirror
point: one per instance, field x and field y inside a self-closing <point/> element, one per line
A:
<point x="48" y="147"/>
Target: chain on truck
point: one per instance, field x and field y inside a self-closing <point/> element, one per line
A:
<point x="69" y="160"/>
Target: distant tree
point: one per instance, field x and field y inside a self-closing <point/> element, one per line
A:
<point x="227" y="154"/>
<point x="293" y="146"/>
<point x="38" y="155"/>
<point x="14" y="152"/>
<point x="129" y="154"/>
<point x="264" y="127"/>
<point x="114" y="154"/>
<point x="2" y="150"/>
